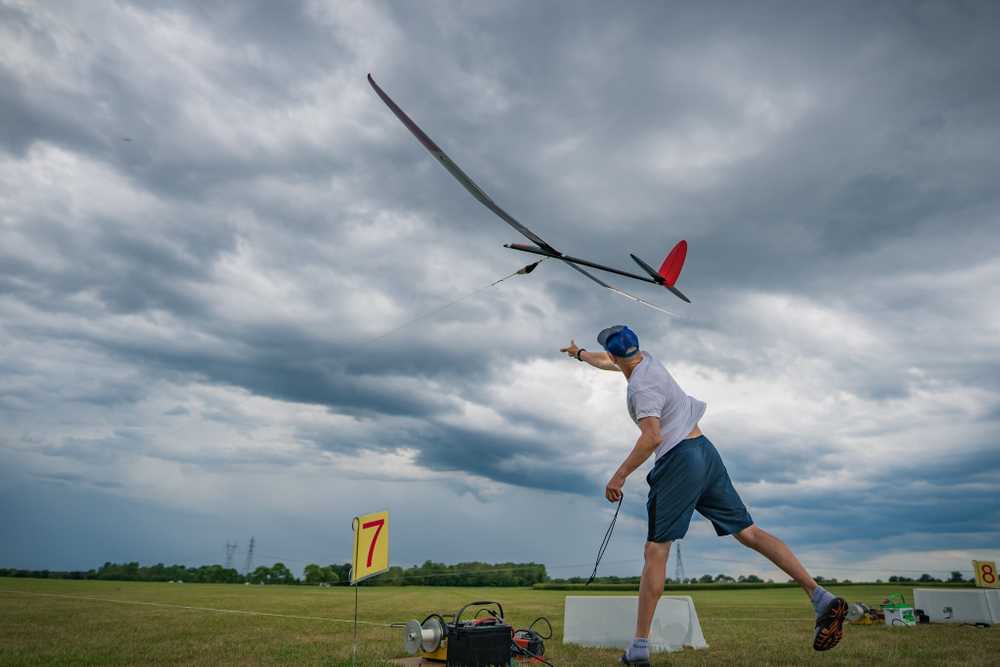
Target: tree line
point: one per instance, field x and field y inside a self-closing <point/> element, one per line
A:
<point x="427" y="574"/>
<point x="430" y="573"/>
<point x="955" y="577"/>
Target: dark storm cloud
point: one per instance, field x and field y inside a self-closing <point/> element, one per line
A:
<point x="511" y="459"/>
<point x="132" y="105"/>
<point x="948" y="494"/>
<point x="815" y="158"/>
<point x="888" y="510"/>
<point x="24" y="122"/>
<point x="934" y="513"/>
<point x="25" y="118"/>
<point x="975" y="464"/>
<point x="55" y="525"/>
<point x="514" y="461"/>
<point x="292" y="378"/>
<point x="754" y="461"/>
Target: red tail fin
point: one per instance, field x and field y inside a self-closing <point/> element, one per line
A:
<point x="672" y="265"/>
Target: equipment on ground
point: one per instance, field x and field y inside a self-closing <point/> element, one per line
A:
<point x="665" y="277"/>
<point x="897" y="612"/>
<point x="481" y="642"/>
<point x="426" y="638"/>
<point x="485" y="640"/>
<point x="859" y="613"/>
<point x="529" y="644"/>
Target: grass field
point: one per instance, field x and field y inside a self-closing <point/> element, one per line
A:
<point x="48" y="622"/>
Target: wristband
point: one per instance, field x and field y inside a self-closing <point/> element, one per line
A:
<point x="578" y="353"/>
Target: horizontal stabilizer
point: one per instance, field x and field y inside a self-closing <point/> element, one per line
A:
<point x="648" y="269"/>
<point x="669" y="271"/>
<point x="677" y="293"/>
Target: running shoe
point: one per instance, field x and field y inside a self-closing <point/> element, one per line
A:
<point x="830" y="625"/>
<point x="638" y="662"/>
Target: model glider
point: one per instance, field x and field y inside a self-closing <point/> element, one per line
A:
<point x="669" y="271"/>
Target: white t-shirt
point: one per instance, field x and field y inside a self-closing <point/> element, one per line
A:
<point x="653" y="392"/>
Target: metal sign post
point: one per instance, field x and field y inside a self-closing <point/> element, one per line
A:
<point x="354" y="647"/>
<point x="354" y="582"/>
<point x="375" y="561"/>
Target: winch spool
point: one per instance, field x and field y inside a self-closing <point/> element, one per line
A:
<point x="861" y="614"/>
<point x="426" y="636"/>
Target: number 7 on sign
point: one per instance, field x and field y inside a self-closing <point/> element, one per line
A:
<point x="377" y="525"/>
<point x="371" y="546"/>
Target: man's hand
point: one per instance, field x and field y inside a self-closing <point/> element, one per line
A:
<point x="613" y="491"/>
<point x="600" y="360"/>
<point x="571" y="350"/>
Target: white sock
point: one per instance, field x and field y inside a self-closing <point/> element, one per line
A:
<point x="821" y="599"/>
<point x="639" y="648"/>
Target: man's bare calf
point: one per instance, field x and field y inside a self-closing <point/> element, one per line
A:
<point x="654" y="576"/>
<point x="776" y="551"/>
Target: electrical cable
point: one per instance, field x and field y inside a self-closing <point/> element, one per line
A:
<point x="526" y="653"/>
<point x="534" y="639"/>
<point x="547" y="622"/>
<point x="606" y="540"/>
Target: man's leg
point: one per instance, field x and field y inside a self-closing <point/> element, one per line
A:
<point x="830" y="610"/>
<point x="675" y="482"/>
<point x="778" y="553"/>
<point x="654" y="576"/>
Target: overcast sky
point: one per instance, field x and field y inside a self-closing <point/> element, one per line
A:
<point x="207" y="216"/>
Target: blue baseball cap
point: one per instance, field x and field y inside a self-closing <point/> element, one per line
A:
<point x="619" y="340"/>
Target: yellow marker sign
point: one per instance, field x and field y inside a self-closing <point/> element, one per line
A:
<point x="986" y="574"/>
<point x="371" y="546"/>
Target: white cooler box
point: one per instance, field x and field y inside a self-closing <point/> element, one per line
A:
<point x="608" y="621"/>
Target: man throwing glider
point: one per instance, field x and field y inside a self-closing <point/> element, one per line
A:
<point x="688" y="475"/>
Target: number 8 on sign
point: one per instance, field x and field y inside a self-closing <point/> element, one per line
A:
<point x="986" y="574"/>
<point x="371" y="546"/>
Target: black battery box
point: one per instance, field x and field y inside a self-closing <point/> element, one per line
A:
<point x="480" y="642"/>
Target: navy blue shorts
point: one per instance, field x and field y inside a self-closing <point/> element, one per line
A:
<point x="691" y="477"/>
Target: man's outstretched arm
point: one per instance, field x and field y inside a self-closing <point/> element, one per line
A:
<point x="600" y="360"/>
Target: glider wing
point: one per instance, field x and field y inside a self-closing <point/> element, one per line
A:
<point x="454" y="169"/>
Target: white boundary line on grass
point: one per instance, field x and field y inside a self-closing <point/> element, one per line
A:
<point x="179" y="606"/>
